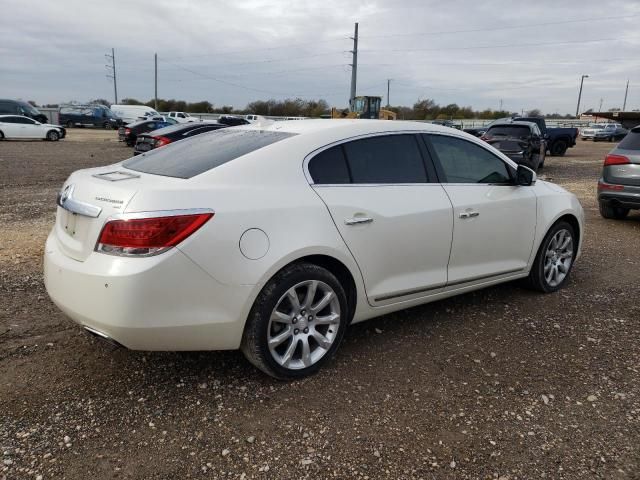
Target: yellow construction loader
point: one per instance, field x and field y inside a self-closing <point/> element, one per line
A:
<point x="364" y="107"/>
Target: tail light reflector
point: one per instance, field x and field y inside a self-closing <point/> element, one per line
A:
<point x="148" y="236"/>
<point x="609" y="186"/>
<point x="615" y="160"/>
<point x="127" y="131"/>
<point x="161" y="141"/>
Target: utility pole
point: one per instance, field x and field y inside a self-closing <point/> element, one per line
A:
<point x="155" y="103"/>
<point x="580" y="94"/>
<point x="388" y="83"/>
<point x="600" y="107"/>
<point x="354" y="67"/>
<point x="500" y="105"/>
<point x="112" y="67"/>
<point x="624" y="105"/>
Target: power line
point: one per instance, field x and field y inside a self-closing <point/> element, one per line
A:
<point x="478" y="47"/>
<point x="510" y="27"/>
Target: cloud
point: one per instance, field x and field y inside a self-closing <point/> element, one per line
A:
<point x="466" y="52"/>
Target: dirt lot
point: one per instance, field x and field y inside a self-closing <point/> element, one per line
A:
<point x="501" y="383"/>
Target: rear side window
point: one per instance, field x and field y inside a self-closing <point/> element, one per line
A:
<point x="385" y="159"/>
<point x="631" y="141"/>
<point x="465" y="162"/>
<point x="203" y="152"/>
<point x="330" y="167"/>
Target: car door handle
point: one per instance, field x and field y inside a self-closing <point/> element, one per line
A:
<point x="357" y="220"/>
<point x="469" y="214"/>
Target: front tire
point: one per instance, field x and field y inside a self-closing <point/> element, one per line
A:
<point x="611" y="212"/>
<point x="53" y="136"/>
<point x="554" y="260"/>
<point x="297" y="322"/>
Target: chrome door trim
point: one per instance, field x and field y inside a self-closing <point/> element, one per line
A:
<point x="446" y="285"/>
<point x="66" y="201"/>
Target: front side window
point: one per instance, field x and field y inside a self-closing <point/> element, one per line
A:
<point x="24" y="120"/>
<point x="385" y="159"/>
<point x="466" y="162"/>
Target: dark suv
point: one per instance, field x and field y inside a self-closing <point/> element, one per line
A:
<point x="619" y="186"/>
<point x="522" y="142"/>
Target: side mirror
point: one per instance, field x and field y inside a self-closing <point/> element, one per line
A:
<point x="525" y="176"/>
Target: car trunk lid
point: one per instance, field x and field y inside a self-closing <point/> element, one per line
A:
<point x="85" y="202"/>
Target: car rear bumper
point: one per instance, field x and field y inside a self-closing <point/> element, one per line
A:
<point x="165" y="302"/>
<point x="628" y="197"/>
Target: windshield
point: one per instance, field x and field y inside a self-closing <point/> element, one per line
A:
<point x="27" y="107"/>
<point x="203" y="152"/>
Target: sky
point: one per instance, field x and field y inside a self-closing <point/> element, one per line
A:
<point x="483" y="54"/>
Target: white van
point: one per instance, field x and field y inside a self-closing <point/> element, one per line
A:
<point x="135" y="113"/>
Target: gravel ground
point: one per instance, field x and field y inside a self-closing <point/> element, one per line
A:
<point x="498" y="384"/>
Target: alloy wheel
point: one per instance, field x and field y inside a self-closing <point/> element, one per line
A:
<point x="304" y="324"/>
<point x="558" y="257"/>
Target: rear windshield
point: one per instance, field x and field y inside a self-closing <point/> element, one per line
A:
<point x="510" y="131"/>
<point x="203" y="152"/>
<point x="631" y="141"/>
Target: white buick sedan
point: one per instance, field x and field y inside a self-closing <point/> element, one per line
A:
<point x="273" y="240"/>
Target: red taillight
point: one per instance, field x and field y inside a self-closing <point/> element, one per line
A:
<point x="148" y="236"/>
<point x="484" y="137"/>
<point x="609" y="186"/>
<point x="127" y="131"/>
<point x="161" y="141"/>
<point x="615" y="160"/>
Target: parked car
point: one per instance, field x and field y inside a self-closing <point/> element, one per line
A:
<point x="274" y="239"/>
<point x="558" y="139"/>
<point x="18" y="107"/>
<point x="447" y="123"/>
<point x="129" y="133"/>
<point x="619" y="185"/>
<point x="21" y="127"/>
<point x="88" y="115"/>
<point x="182" y="117"/>
<point x="522" y="142"/>
<point x="604" y="131"/>
<point x="479" y="131"/>
<point x="134" y="113"/>
<point x="164" y="136"/>
<point x="232" y="120"/>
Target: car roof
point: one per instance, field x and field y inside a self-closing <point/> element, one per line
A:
<point x="344" y="128"/>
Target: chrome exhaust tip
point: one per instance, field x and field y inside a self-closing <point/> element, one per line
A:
<point x="102" y="336"/>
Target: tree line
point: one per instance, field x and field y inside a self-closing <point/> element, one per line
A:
<point x="422" y="109"/>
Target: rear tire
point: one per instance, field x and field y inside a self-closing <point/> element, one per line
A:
<point x="611" y="212"/>
<point x="53" y="136"/>
<point x="1" y="136"/>
<point x="297" y="322"/>
<point x="558" y="148"/>
<point x="70" y="124"/>
<point x="554" y="260"/>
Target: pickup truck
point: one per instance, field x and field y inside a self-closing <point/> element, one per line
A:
<point x="558" y="139"/>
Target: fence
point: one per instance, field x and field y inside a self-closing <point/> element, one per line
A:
<point x="52" y="115"/>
